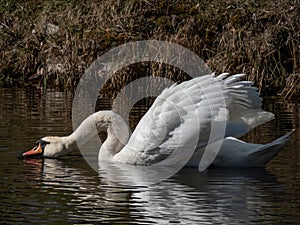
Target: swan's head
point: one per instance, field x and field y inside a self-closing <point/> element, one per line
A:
<point x="52" y="147"/>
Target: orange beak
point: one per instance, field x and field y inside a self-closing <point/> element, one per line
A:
<point x="36" y="150"/>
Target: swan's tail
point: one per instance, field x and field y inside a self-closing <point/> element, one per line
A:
<point x="269" y="151"/>
<point x="237" y="153"/>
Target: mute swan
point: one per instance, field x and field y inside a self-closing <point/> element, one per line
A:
<point x="170" y="123"/>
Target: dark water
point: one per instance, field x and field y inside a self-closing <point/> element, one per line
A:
<point x="68" y="191"/>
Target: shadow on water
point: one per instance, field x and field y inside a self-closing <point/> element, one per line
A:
<point x="68" y="191"/>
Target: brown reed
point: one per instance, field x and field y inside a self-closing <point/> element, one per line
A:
<point x="53" y="42"/>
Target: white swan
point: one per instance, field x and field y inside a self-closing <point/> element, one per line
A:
<point x="180" y="115"/>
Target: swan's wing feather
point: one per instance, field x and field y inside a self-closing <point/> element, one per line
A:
<point x="244" y="106"/>
<point x="184" y="111"/>
<point x="174" y="121"/>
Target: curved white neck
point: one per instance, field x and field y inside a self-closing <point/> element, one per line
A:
<point x="117" y="133"/>
<point x="111" y="146"/>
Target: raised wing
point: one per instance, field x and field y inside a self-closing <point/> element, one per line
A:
<point x="183" y="117"/>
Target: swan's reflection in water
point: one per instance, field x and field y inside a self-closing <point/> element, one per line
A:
<point x="218" y="196"/>
<point x="215" y="196"/>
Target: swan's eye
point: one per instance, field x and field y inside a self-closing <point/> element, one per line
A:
<point x="42" y="143"/>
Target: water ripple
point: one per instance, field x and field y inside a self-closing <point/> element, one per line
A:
<point x="68" y="191"/>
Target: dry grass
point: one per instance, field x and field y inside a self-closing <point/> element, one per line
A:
<point x="259" y="38"/>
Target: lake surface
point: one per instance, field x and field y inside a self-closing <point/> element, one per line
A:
<point x="68" y="191"/>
